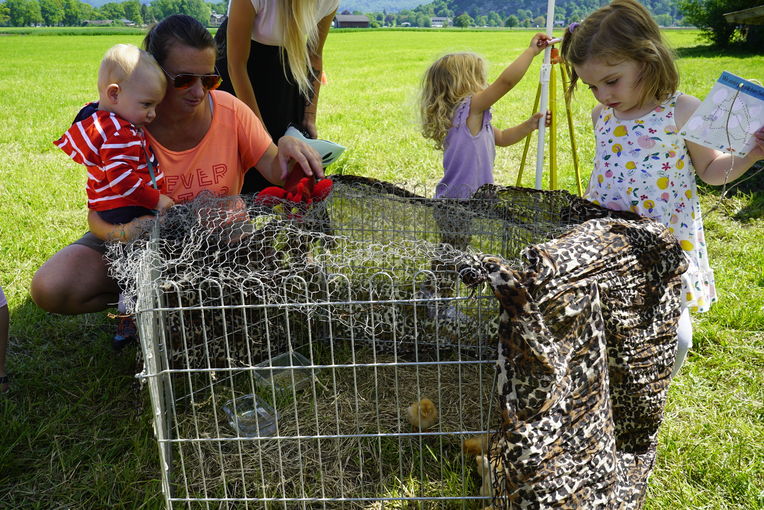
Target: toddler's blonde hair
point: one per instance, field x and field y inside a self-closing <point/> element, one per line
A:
<point x="122" y="61"/>
<point x="623" y="30"/>
<point x="446" y="83"/>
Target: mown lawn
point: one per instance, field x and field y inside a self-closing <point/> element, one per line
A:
<point x="69" y="437"/>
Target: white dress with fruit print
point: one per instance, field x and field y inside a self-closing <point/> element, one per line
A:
<point x="642" y="165"/>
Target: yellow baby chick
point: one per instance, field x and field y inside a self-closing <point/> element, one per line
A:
<point x="485" y="472"/>
<point x="477" y="445"/>
<point x="422" y="415"/>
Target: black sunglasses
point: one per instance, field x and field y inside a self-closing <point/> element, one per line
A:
<point x="185" y="80"/>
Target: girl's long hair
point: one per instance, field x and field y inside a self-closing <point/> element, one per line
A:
<point x="300" y="29"/>
<point x="623" y="30"/>
<point x="446" y="83"/>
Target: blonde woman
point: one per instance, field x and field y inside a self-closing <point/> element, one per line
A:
<point x="455" y="108"/>
<point x="270" y="56"/>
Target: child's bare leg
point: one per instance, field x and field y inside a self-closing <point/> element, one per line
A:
<point x="684" y="337"/>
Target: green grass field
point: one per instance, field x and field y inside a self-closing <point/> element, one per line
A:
<point x="69" y="437"/>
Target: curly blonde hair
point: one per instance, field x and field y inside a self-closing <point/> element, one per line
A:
<point x="446" y="83"/>
<point x="623" y="30"/>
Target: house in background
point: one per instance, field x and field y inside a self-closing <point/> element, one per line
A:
<point x="440" y="22"/>
<point x="216" y="19"/>
<point x="351" y="21"/>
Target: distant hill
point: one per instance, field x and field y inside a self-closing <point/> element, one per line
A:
<point x="563" y="8"/>
<point x="379" y="5"/>
<point x="349" y="5"/>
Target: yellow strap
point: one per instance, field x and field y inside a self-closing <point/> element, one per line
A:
<point x="528" y="138"/>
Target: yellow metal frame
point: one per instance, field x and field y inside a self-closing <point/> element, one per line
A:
<point x="553" y="130"/>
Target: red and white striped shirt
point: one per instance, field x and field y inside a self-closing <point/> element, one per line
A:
<point x="115" y="153"/>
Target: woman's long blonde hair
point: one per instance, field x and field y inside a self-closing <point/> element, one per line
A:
<point x="446" y="83"/>
<point x="300" y="29"/>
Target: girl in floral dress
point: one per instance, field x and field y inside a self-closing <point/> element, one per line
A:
<point x="641" y="163"/>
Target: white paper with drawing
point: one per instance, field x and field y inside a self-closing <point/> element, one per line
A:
<point x="728" y="117"/>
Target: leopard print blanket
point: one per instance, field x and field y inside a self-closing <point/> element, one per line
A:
<point x="586" y="346"/>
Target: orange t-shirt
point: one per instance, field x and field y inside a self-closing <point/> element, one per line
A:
<point x="234" y="143"/>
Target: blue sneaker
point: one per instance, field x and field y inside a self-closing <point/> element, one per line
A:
<point x="127" y="333"/>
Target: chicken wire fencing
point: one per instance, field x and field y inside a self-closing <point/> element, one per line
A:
<point x="328" y="357"/>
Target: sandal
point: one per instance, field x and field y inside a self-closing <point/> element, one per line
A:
<point x="127" y="333"/>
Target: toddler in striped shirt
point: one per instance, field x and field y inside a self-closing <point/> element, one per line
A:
<point x="124" y="180"/>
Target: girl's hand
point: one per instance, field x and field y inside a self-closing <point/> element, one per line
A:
<point x="548" y="121"/>
<point x="539" y="42"/>
<point x="533" y="121"/>
<point x="758" y="150"/>
<point x="303" y="155"/>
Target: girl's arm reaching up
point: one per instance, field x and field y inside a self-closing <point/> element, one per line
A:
<point x="510" y="77"/>
<point x="713" y="166"/>
<point x="510" y="136"/>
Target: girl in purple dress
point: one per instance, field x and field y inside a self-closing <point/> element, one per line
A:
<point x="455" y="107"/>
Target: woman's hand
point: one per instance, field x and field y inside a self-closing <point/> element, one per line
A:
<point x="309" y="124"/>
<point x="122" y="233"/>
<point x="291" y="148"/>
<point x="164" y="203"/>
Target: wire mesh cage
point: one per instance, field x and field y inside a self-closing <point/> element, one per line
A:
<point x="329" y="357"/>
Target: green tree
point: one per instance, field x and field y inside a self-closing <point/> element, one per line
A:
<point x="147" y="14"/>
<point x="481" y="21"/>
<point x="5" y="17"/>
<point x="220" y="7"/>
<point x="112" y="11"/>
<point x="52" y="12"/>
<point x="87" y="11"/>
<point x="664" y="20"/>
<point x="163" y="8"/>
<point x="22" y="13"/>
<point x="133" y="11"/>
<point x="708" y="16"/>
<point x="463" y="20"/>
<point x="196" y="9"/>
<point x="72" y="13"/>
<point x="560" y="14"/>
<point x="512" y="21"/>
<point x="494" y="20"/>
